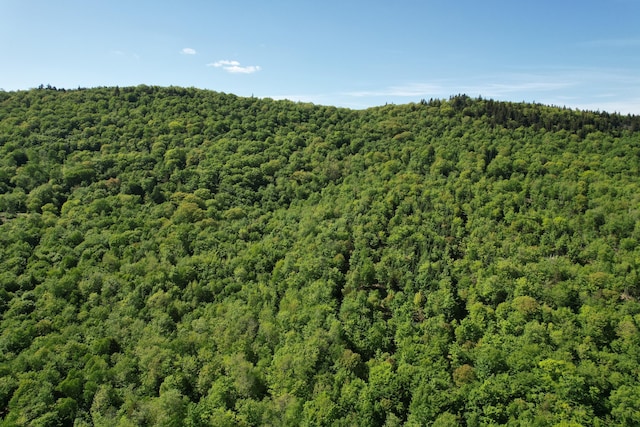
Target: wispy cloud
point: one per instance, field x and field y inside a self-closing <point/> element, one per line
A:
<point x="498" y="86"/>
<point x="234" y="67"/>
<point x="622" y="106"/>
<point x="518" y="84"/>
<point x="224" y="63"/>
<point x="408" y="90"/>
<point x="604" y="89"/>
<point x="188" y="51"/>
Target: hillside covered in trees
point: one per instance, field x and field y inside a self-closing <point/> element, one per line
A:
<point x="175" y="256"/>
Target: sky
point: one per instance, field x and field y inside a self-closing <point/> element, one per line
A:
<point x="582" y="54"/>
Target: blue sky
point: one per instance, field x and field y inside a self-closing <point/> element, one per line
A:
<point x="576" y="53"/>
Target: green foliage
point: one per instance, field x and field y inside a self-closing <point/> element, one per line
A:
<point x="174" y="256"/>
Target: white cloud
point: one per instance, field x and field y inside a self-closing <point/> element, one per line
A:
<point x="234" y="67"/>
<point x="224" y="63"/>
<point x="188" y="51"/>
<point x="244" y="70"/>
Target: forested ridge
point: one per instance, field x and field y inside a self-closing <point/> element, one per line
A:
<point x="174" y="256"/>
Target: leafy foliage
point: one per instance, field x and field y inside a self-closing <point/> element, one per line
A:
<point x="176" y="256"/>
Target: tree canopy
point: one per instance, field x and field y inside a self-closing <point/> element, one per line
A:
<point x="174" y="256"/>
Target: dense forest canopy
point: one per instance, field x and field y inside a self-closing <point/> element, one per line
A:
<point x="174" y="256"/>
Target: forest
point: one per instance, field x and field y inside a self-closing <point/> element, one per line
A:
<point x="183" y="257"/>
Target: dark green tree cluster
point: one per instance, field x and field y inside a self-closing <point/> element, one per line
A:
<point x="174" y="256"/>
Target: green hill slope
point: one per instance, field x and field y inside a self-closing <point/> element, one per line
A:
<point x="176" y="256"/>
